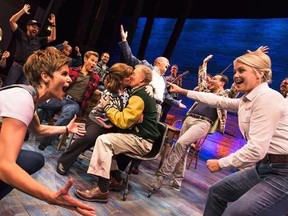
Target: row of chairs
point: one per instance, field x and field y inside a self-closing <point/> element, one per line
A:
<point x="158" y="149"/>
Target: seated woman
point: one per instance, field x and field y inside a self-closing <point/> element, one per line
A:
<point x="116" y="83"/>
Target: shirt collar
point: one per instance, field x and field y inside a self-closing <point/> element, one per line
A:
<point x="251" y="95"/>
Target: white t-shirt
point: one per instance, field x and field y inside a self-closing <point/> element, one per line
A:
<point x="17" y="103"/>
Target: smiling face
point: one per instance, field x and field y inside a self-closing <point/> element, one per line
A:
<point x="32" y="30"/>
<point x="105" y="58"/>
<point x="216" y="84"/>
<point x="245" y="77"/>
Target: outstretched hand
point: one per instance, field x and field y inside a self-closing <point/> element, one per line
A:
<point x="124" y="34"/>
<point x="5" y="55"/>
<point x="26" y="8"/>
<point x="208" y="58"/>
<point x="64" y="199"/>
<point x="173" y="87"/>
<point x="181" y="105"/>
<point x="76" y="128"/>
<point x="263" y="49"/>
<point x="177" y="89"/>
<point x="52" y="19"/>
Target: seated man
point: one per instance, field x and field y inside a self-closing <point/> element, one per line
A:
<point x="84" y="83"/>
<point x="138" y="123"/>
<point x="198" y="122"/>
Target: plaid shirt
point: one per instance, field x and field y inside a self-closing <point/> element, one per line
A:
<point x="91" y="87"/>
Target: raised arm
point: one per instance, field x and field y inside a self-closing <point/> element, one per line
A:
<point x="130" y="59"/>
<point x="13" y="20"/>
<point x="11" y="139"/>
<point x="52" y="21"/>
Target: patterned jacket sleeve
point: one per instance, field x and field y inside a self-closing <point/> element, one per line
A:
<point x="129" y="115"/>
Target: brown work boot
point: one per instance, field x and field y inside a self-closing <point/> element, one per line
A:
<point x="116" y="185"/>
<point x="93" y="194"/>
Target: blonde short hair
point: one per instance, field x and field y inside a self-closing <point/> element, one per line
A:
<point x="259" y="61"/>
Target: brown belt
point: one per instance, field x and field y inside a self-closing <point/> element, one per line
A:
<point x="272" y="158"/>
<point x="201" y="117"/>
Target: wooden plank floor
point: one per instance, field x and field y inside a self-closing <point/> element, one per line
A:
<point x="189" y="201"/>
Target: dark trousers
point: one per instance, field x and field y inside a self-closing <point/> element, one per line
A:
<point x="165" y="109"/>
<point x="29" y="161"/>
<point x="81" y="144"/>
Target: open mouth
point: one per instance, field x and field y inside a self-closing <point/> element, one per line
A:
<point x="238" y="80"/>
<point x="65" y="87"/>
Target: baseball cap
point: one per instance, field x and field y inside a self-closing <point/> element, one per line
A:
<point x="34" y="22"/>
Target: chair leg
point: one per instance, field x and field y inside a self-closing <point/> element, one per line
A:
<point x="126" y="181"/>
<point x="61" y="141"/>
<point x="192" y="155"/>
<point x="196" y="158"/>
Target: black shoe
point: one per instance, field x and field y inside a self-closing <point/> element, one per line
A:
<point x="42" y="147"/>
<point x="45" y="141"/>
<point x="60" y="169"/>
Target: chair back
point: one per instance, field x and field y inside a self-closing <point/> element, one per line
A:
<point x="157" y="145"/>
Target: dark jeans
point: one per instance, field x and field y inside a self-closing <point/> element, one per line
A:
<point x="257" y="191"/>
<point x="16" y="75"/>
<point x="29" y="161"/>
<point x="165" y="110"/>
<point x="82" y="144"/>
<point x="68" y="109"/>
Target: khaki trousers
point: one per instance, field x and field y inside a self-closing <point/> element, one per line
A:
<point x="111" y="144"/>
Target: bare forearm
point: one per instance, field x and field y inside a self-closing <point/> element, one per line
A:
<point x="13" y="175"/>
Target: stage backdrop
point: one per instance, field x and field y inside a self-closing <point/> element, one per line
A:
<point x="224" y="38"/>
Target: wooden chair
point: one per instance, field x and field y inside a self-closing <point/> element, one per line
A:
<point x="152" y="155"/>
<point x="193" y="152"/>
<point x="170" y="119"/>
<point x="92" y="102"/>
<point x="67" y="138"/>
<point x="170" y="139"/>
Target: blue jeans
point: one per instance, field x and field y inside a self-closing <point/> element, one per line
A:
<point x="29" y="161"/>
<point x="16" y="75"/>
<point x="262" y="190"/>
<point x="68" y="109"/>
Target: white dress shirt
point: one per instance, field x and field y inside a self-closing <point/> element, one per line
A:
<point x="263" y="121"/>
<point x="158" y="84"/>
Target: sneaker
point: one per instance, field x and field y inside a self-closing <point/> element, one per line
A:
<point x="60" y="169"/>
<point x="174" y="185"/>
<point x="158" y="183"/>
